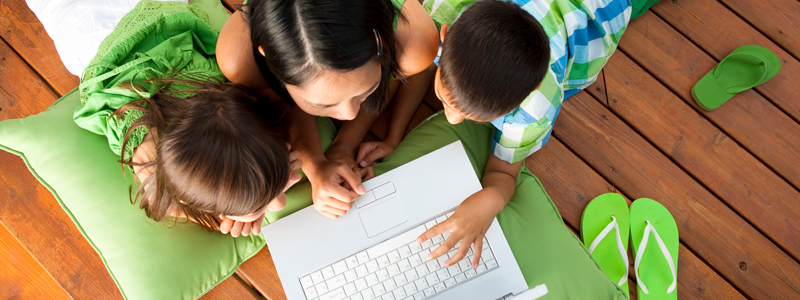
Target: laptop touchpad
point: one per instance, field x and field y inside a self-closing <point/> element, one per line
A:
<point x="383" y="216"/>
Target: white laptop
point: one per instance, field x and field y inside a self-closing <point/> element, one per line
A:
<point x="371" y="252"/>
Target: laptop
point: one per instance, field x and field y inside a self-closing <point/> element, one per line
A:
<point x="371" y="252"/>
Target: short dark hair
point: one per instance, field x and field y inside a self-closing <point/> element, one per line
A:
<point x="301" y="38"/>
<point x="493" y="57"/>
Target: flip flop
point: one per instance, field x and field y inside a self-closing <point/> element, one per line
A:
<point x="604" y="214"/>
<point x="655" y="240"/>
<point x="744" y="68"/>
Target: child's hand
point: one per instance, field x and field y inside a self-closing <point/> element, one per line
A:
<point x="235" y="228"/>
<point x="370" y="152"/>
<point x="335" y="184"/>
<point x="468" y="224"/>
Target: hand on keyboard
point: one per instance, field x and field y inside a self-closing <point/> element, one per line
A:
<point x="467" y="225"/>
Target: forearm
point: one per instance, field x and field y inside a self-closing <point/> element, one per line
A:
<point x="304" y="137"/>
<point x="500" y="178"/>
<point x="352" y="132"/>
<point x="406" y="101"/>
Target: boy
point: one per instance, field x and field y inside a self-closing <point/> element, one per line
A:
<point x="512" y="66"/>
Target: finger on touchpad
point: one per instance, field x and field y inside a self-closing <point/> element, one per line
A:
<point x="384" y="216"/>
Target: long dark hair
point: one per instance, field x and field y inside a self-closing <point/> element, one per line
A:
<point x="218" y="150"/>
<point x="301" y="38"/>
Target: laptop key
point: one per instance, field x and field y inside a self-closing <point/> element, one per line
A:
<point x="339" y="267"/>
<point x="429" y="292"/>
<point x="404" y="251"/>
<point x="470" y="273"/>
<point x="335" y="282"/>
<point x="372" y="266"/>
<point x="306" y="282"/>
<point x="441" y="219"/>
<point x="481" y="268"/>
<point x="351" y="261"/>
<point x="378" y="290"/>
<point x="415" y="260"/>
<point x="440" y="287"/>
<point x="414" y="247"/>
<point x="389" y="285"/>
<point x="350" y="275"/>
<point x="357" y="297"/>
<point x="311" y="292"/>
<point x="383" y="261"/>
<point x="400" y="280"/>
<point x="337" y="294"/>
<point x="460" y="278"/>
<point x="421" y="284"/>
<point x="361" y="271"/>
<point x="422" y="270"/>
<point x="317" y="277"/>
<point x="350" y="289"/>
<point x="450" y="282"/>
<point x="411" y="274"/>
<point x="432" y="279"/>
<point x="327" y="272"/>
<point x="382" y="274"/>
<point x="404" y="265"/>
<point x="490" y="264"/>
<point x="367" y="294"/>
<point x="393" y="270"/>
<point x="410" y="288"/>
<point x="443" y="273"/>
<point x="399" y="293"/>
<point x="433" y="265"/>
<point x="362" y="257"/>
<point x="394" y="256"/>
<point x="321" y="288"/>
<point x="372" y="279"/>
<point x="419" y="296"/>
<point x="388" y="296"/>
<point x="361" y="284"/>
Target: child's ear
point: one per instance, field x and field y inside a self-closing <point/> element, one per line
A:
<point x="441" y="33"/>
<point x="261" y="50"/>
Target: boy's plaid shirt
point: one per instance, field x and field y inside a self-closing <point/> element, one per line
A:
<point x="583" y="34"/>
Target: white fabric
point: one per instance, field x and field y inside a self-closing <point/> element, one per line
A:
<point x="620" y="247"/>
<point x="77" y="27"/>
<point x="640" y="253"/>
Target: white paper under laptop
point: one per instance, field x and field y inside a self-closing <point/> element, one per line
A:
<point x="371" y="252"/>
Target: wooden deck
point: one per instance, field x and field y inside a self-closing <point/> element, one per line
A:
<point x="730" y="177"/>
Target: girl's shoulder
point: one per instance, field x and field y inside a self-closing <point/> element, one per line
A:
<point x="417" y="37"/>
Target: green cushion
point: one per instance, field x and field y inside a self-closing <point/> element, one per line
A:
<point x="147" y="260"/>
<point x="547" y="252"/>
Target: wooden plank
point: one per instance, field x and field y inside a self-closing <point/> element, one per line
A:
<point x="231" y="288"/>
<point x="777" y="19"/>
<point x="749" y="118"/>
<point x="22" y="276"/>
<point x="260" y="271"/>
<point x="571" y="183"/>
<point x="704" y="151"/>
<point x="22" y="92"/>
<point x="709" y="228"/>
<point x="719" y="31"/>
<point x="23" y="31"/>
<point x="35" y="218"/>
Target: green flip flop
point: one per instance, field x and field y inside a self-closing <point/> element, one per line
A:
<point x="606" y="213"/>
<point x="655" y="240"/>
<point x="743" y="69"/>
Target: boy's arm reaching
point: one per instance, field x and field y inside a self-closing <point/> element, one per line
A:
<point x="473" y="217"/>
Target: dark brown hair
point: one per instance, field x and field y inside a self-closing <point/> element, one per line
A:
<point x="495" y="54"/>
<point x="218" y="150"/>
<point x="301" y="38"/>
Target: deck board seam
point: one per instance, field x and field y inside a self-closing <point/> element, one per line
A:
<point x="758" y="29"/>
<point x="697" y="180"/>
<point x="31" y="67"/>
<point x="711" y="55"/>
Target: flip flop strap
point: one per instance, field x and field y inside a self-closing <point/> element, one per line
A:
<point x="622" y="252"/>
<point x="649" y="228"/>
<point x="738" y="89"/>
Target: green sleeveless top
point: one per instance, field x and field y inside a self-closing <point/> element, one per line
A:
<point x="155" y="40"/>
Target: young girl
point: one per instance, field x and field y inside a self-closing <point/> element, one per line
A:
<point x="332" y="58"/>
<point x="201" y="149"/>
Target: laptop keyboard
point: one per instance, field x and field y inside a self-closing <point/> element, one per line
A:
<point x="396" y="269"/>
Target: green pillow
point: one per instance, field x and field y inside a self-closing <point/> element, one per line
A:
<point x="547" y="252"/>
<point x="147" y="260"/>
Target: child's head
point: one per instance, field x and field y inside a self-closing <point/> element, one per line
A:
<point x="493" y="56"/>
<point x="331" y="55"/>
<point x="216" y="153"/>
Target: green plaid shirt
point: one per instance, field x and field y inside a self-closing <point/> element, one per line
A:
<point x="583" y="34"/>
